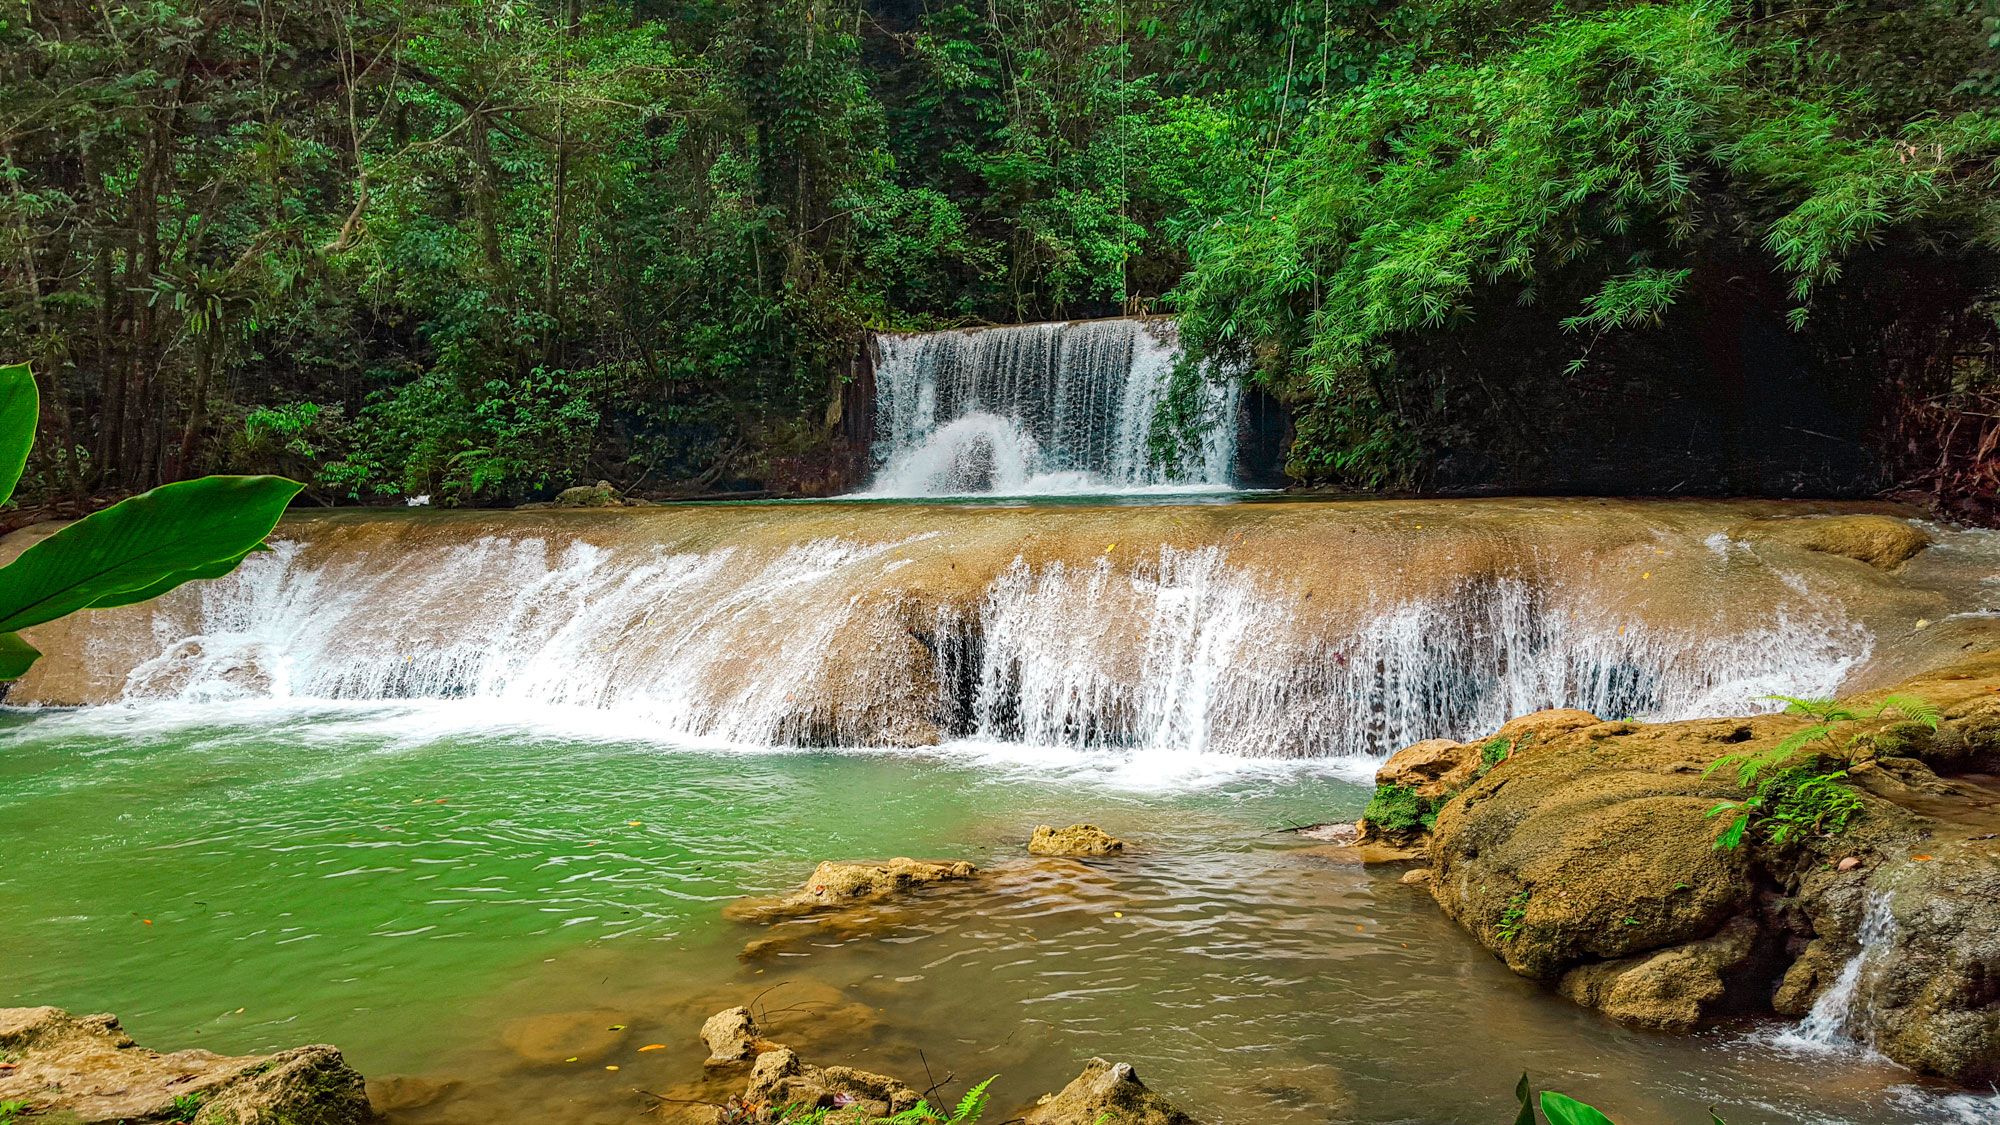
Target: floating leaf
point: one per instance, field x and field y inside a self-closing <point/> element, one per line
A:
<point x="654" y="1047"/>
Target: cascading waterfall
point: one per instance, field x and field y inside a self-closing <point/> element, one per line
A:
<point x="1839" y="1018"/>
<point x="832" y="641"/>
<point x="1041" y="409"/>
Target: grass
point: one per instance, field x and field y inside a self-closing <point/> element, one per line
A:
<point x="1514" y="916"/>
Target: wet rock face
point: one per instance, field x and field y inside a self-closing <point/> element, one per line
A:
<point x="86" y="1069"/>
<point x="731" y="1037"/>
<point x="1586" y="859"/>
<point x="835" y="885"/>
<point x="1077" y="839"/>
<point x="1106" y="1092"/>
<point x="1933" y="998"/>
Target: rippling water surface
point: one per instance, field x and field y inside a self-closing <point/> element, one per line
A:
<point x="465" y="907"/>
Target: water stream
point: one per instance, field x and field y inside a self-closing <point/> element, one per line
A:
<point x="1043" y="409"/>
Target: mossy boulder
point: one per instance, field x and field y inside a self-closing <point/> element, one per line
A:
<point x="1076" y="840"/>
<point x="599" y="495"/>
<point x="1883" y="542"/>
<point x="835" y="885"/>
<point x="86" y="1070"/>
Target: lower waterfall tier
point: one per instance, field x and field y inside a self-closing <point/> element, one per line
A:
<point x="1264" y="630"/>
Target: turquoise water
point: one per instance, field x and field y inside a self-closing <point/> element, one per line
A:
<point x="477" y="905"/>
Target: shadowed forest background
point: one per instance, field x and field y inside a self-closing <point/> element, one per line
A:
<point x="485" y="250"/>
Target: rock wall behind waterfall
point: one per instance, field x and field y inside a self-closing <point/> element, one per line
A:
<point x="1281" y="630"/>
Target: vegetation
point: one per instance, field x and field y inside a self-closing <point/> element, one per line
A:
<point x="484" y="250"/>
<point x="185" y="1108"/>
<point x="11" y="1110"/>
<point x="1806" y="794"/>
<point x="133" y="551"/>
<point x="1514" y="916"/>
<point x="1400" y="811"/>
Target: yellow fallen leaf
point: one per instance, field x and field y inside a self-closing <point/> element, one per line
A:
<point x="611" y="1067"/>
<point x="1920" y="858"/>
<point x="572" y="1058"/>
<point x="617" y="1027"/>
<point x="1118" y="914"/>
<point x="631" y="824"/>
<point x="654" y="1047"/>
<point x="1923" y="622"/>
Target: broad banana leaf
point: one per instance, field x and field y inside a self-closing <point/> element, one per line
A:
<point x="20" y="406"/>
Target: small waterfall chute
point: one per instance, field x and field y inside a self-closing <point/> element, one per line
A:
<point x="1043" y="409"/>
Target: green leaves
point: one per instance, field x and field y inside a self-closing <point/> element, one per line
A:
<point x="135" y="550"/>
<point x="20" y="406"/>
<point x="1561" y="1109"/>
<point x="142" y="547"/>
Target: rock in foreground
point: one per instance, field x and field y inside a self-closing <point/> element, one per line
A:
<point x="86" y="1069"/>
<point x="1077" y="839"/>
<point x="1106" y="1093"/>
<point x="1589" y="858"/>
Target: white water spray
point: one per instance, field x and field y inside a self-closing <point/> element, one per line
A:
<point x="1839" y="1018"/>
<point x="1041" y="409"/>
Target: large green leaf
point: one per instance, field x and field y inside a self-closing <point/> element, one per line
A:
<point x="1565" y="1110"/>
<point x="16" y="656"/>
<point x="20" y="407"/>
<point x="142" y="547"/>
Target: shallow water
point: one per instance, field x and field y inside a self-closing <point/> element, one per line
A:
<point x="478" y="902"/>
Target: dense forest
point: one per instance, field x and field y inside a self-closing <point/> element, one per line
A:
<point x="485" y="249"/>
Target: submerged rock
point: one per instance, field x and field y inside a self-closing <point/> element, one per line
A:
<point x="85" y="1069"/>
<point x="1883" y="542"/>
<point x="834" y="885"/>
<point x="1105" y="1093"/>
<point x="1077" y="839"/>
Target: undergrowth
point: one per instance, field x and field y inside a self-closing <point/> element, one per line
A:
<point x="1398" y="810"/>
<point x="1798" y="787"/>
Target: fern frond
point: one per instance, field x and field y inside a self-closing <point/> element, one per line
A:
<point x="1912" y="708"/>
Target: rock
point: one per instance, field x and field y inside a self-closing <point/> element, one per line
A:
<point x="402" y="1092"/>
<point x="1342" y="833"/>
<point x="781" y="1078"/>
<point x="834" y="885"/>
<point x="1077" y="839"/>
<point x="1932" y="997"/>
<point x="85" y="1069"/>
<point x="1848" y="864"/>
<point x="1433" y="769"/>
<point x="732" y="1037"/>
<point x="1677" y="989"/>
<point x="1105" y="1093"/>
<point x="599" y="495"/>
<point x="1883" y="542"/>
<point x="1416" y="877"/>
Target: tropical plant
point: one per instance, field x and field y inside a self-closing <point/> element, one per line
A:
<point x="1831" y="732"/>
<point x="966" y="1112"/>
<point x="133" y="551"/>
<point x="1797" y="796"/>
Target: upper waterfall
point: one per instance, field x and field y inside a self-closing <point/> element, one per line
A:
<point x="1043" y="408"/>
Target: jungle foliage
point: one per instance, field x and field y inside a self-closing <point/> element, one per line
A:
<point x="483" y="249"/>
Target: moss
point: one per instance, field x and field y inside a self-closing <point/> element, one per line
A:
<point x="1397" y="811"/>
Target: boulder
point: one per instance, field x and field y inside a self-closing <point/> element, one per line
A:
<point x="781" y="1078"/>
<point x="732" y="1037"/>
<point x="1105" y="1093"/>
<point x="599" y="495"/>
<point x="1883" y="542"/>
<point x="1077" y="839"/>
<point x="834" y="885"/>
<point x="1677" y="989"/>
<point x="1433" y="769"/>
<point x="1932" y="997"/>
<point x="85" y="1069"/>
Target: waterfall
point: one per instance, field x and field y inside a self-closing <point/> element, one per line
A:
<point x="1839" y="1018"/>
<point x="755" y="628"/>
<point x="1041" y="409"/>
